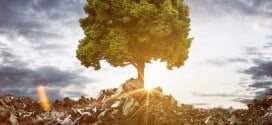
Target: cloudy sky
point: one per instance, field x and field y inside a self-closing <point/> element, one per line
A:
<point x="230" y="58"/>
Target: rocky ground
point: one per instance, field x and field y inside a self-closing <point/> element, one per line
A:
<point x="129" y="104"/>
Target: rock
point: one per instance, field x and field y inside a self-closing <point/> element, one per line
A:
<point x="116" y="104"/>
<point x="67" y="102"/>
<point x="232" y="120"/>
<point x="13" y="119"/>
<point x="132" y="84"/>
<point x="82" y="112"/>
<point x="128" y="106"/>
<point x="94" y="109"/>
<point x="83" y="101"/>
<point x="207" y="121"/>
<point x="67" y="121"/>
<point x="102" y="114"/>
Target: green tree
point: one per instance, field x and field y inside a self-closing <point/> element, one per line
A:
<point x="134" y="32"/>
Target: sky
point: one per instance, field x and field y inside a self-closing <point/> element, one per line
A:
<point x="229" y="63"/>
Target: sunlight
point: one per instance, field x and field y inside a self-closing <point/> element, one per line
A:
<point x="154" y="76"/>
<point x="150" y="85"/>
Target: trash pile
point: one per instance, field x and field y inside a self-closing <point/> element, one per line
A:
<point x="130" y="104"/>
<point x="258" y="112"/>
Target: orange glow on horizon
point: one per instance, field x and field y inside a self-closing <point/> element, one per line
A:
<point x="43" y="98"/>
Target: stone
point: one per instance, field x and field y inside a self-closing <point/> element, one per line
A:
<point x="128" y="107"/>
<point x="115" y="104"/>
<point x="13" y="119"/>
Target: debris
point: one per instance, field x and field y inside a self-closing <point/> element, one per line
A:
<point x="13" y="119"/>
<point x="128" y="107"/>
<point x="129" y="104"/>
<point x="116" y="104"/>
<point x="232" y="120"/>
<point x="67" y="121"/>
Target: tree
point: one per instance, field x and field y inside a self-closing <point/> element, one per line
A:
<point x="134" y="32"/>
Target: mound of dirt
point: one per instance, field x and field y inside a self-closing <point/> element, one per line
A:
<point x="130" y="104"/>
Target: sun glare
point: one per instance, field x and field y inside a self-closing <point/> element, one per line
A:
<point x="43" y="98"/>
<point x="154" y="76"/>
<point x="150" y="84"/>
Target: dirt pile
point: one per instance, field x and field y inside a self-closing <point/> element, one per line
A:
<point x="130" y="104"/>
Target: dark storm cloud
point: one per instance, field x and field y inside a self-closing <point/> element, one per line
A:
<point x="264" y="85"/>
<point x="242" y="100"/>
<point x="59" y="9"/>
<point x="261" y="74"/>
<point x="262" y="93"/>
<point x="36" y="21"/>
<point x="251" y="50"/>
<point x="19" y="79"/>
<point x="43" y="25"/>
<point x="210" y="8"/>
<point x="9" y="58"/>
<point x="23" y="81"/>
<point x="262" y="70"/>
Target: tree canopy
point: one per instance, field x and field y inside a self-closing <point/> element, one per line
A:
<point x="124" y="32"/>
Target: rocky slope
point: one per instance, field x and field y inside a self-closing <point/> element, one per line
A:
<point x="129" y="104"/>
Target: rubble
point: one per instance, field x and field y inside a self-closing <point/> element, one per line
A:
<point x="129" y="104"/>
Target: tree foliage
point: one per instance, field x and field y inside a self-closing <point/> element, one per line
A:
<point x="124" y="32"/>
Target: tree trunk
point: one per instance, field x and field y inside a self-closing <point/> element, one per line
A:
<point x="140" y="69"/>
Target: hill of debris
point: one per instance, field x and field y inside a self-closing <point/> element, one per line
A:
<point x="129" y="104"/>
